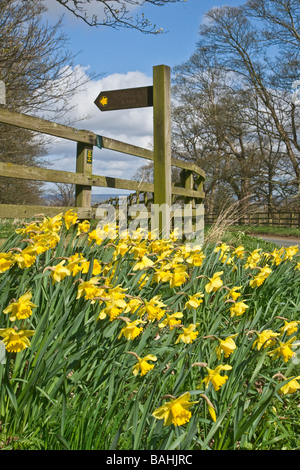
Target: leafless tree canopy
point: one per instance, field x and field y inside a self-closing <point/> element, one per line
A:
<point x="38" y="72"/>
<point x="115" y="13"/>
<point x="234" y="107"/>
<point x="63" y="195"/>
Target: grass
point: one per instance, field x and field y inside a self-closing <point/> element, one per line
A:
<point x="8" y="226"/>
<point x="73" y="386"/>
<point x="268" y="230"/>
<point x="250" y="242"/>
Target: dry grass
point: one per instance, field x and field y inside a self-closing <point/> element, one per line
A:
<point x="229" y="215"/>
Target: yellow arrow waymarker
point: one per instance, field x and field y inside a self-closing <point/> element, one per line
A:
<point x="124" y="99"/>
<point x="103" y="101"/>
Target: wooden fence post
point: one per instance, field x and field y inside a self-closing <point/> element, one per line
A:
<point x="187" y="181"/>
<point x="162" y="133"/>
<point x="84" y="164"/>
<point x="162" y="139"/>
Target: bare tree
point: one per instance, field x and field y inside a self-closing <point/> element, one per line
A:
<point x="244" y="48"/>
<point x="220" y="123"/>
<point x="115" y="14"/>
<point x="212" y="129"/>
<point x="39" y="76"/>
<point x="35" y="64"/>
<point x="63" y="195"/>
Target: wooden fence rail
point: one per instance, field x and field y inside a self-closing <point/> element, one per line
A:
<point x="84" y="179"/>
<point x="289" y="219"/>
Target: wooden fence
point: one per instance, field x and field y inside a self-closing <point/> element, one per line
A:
<point x="289" y="219"/>
<point x="192" y="176"/>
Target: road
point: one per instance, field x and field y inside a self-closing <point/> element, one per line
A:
<point x="280" y="241"/>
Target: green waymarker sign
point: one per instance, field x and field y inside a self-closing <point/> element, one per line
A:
<point x="127" y="98"/>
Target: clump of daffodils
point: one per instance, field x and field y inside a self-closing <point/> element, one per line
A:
<point x="165" y="297"/>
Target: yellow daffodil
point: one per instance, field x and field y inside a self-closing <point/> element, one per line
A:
<point x="39" y="247"/>
<point x="142" y="366"/>
<point x="253" y="259"/>
<point x="277" y="256"/>
<point x="289" y="327"/>
<point x="112" y="309"/>
<point x="156" y="246"/>
<point x="215" y="378"/>
<point x="106" y="231"/>
<point x="26" y="258"/>
<point x="211" y="408"/>
<point x="6" y="261"/>
<point x="290" y="252"/>
<point x="227" y="259"/>
<point x="121" y="249"/>
<point x="143" y="280"/>
<point x="189" y="334"/>
<point x="154" y="309"/>
<point x="214" y="283"/>
<point x="239" y="251"/>
<point x="238" y="308"/>
<point x="175" y="234"/>
<point x="233" y="294"/>
<point x="30" y="228"/>
<point x="226" y="346"/>
<point x="70" y="218"/>
<point x="16" y="341"/>
<point x="133" y="305"/>
<point x="171" y="320"/>
<point x="131" y="330"/>
<point x="290" y="387"/>
<point x="223" y="248"/>
<point x="145" y="262"/>
<point x="264" y="339"/>
<point x="196" y="259"/>
<point x="178" y="276"/>
<point x="138" y="251"/>
<point x="117" y="292"/>
<point x="50" y="225"/>
<point x="212" y="413"/>
<point x="194" y="301"/>
<point x="59" y="272"/>
<point x="162" y="275"/>
<point x="89" y="289"/>
<point x="260" y="277"/>
<point x="138" y="234"/>
<point x="283" y="350"/>
<point x="75" y="263"/>
<point x="176" y="411"/>
<point x="48" y="240"/>
<point x="83" y="227"/>
<point x="94" y="236"/>
<point x="97" y="268"/>
<point x="20" y="309"/>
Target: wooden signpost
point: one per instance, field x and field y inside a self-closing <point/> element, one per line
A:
<point x="125" y="99"/>
<point x="158" y="96"/>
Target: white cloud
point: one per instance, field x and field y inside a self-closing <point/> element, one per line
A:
<point x="134" y="126"/>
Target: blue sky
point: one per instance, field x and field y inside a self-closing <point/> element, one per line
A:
<point x="107" y="50"/>
<point x="122" y="59"/>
